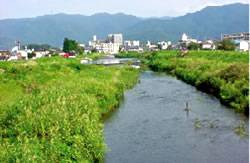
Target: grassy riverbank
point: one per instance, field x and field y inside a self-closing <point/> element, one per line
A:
<point x="50" y="109"/>
<point x="221" y="73"/>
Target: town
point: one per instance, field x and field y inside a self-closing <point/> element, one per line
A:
<point x="115" y="44"/>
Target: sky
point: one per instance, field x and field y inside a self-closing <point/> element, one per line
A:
<point x="140" y="8"/>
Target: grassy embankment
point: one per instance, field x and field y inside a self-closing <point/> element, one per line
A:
<point x="51" y="109"/>
<point x="221" y="73"/>
<point x="133" y="54"/>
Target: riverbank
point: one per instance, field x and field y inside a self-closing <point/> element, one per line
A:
<point x="221" y="73"/>
<point x="51" y="108"/>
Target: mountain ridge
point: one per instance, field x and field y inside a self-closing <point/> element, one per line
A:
<point x="209" y="22"/>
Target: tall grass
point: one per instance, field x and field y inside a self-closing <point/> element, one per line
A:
<point x="51" y="109"/>
<point x="221" y="73"/>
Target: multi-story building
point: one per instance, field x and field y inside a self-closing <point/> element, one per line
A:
<point x="236" y="36"/>
<point x="115" y="38"/>
<point x="110" y="46"/>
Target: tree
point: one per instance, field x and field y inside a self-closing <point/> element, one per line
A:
<point x="193" y="46"/>
<point x="226" y="44"/>
<point x="69" y="45"/>
<point x="159" y="46"/>
<point x="94" y="50"/>
<point x="169" y="47"/>
<point x="45" y="46"/>
<point x="38" y="46"/>
<point x="31" y="55"/>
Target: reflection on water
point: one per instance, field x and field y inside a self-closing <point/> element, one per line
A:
<point x="152" y="126"/>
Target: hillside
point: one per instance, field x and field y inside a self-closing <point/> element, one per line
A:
<point x="208" y="23"/>
<point x="53" y="28"/>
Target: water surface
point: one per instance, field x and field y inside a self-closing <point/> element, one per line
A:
<point x="151" y="126"/>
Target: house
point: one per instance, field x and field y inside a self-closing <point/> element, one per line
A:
<point x="185" y="40"/>
<point x="87" y="50"/>
<point x="131" y="43"/>
<point x="60" y="52"/>
<point x="209" y="44"/>
<point x="41" y="53"/>
<point x="3" y="57"/>
<point x="164" y="45"/>
<point x="5" y="53"/>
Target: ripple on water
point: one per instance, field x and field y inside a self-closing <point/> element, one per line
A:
<point x="152" y="126"/>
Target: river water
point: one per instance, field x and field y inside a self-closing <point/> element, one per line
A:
<point x="152" y="126"/>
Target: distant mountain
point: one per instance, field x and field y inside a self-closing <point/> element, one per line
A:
<point x="161" y="18"/>
<point x="53" y="28"/>
<point x="209" y="23"/>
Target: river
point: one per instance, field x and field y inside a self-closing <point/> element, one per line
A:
<point x="152" y="126"/>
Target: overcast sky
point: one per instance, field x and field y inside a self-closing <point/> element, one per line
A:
<point x="141" y="8"/>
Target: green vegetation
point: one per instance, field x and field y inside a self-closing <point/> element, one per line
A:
<point x="51" y="109"/>
<point x="241" y="130"/>
<point x="193" y="46"/>
<point x="38" y="46"/>
<point x="226" y="44"/>
<point x="69" y="45"/>
<point x="128" y="55"/>
<point x="52" y="28"/>
<point x="221" y="73"/>
<point x="94" y="56"/>
<point x="144" y="55"/>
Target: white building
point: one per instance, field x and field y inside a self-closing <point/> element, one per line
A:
<point x="209" y="44"/>
<point x="184" y="37"/>
<point x="115" y="38"/>
<point x="164" y="45"/>
<point x="41" y="53"/>
<point x="111" y="46"/>
<point x="132" y="43"/>
<point x="185" y="40"/>
<point x="24" y="53"/>
<point x="244" y="46"/>
<point x="94" y="38"/>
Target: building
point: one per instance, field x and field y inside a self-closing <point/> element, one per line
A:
<point x="242" y="45"/>
<point x="115" y="38"/>
<point x="209" y="44"/>
<point x="164" y="45"/>
<point x="185" y="40"/>
<point x="110" y="48"/>
<point x="59" y="52"/>
<point x="150" y="47"/>
<point x="41" y="53"/>
<point x="132" y="43"/>
<point x="236" y="36"/>
<point x="111" y="45"/>
<point x="5" y="53"/>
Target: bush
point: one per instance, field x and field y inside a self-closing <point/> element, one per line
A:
<point x="51" y="110"/>
<point x="223" y="74"/>
<point x="193" y="46"/>
<point x="226" y="44"/>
